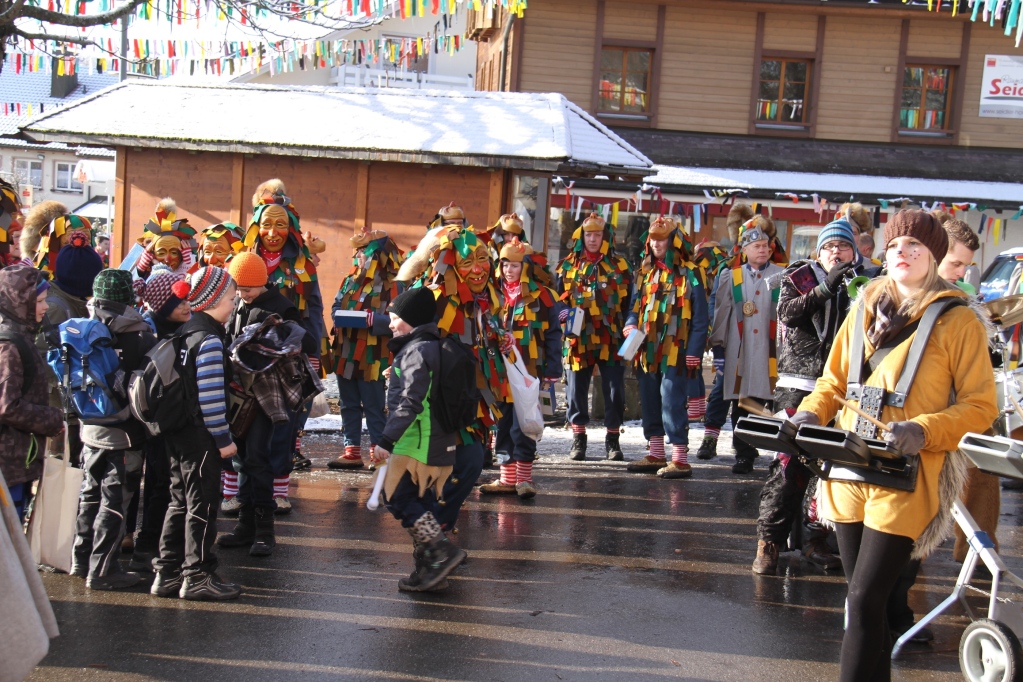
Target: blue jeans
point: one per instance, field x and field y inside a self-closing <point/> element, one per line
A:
<point x="468" y="466"/>
<point x="358" y="398"/>
<point x="512" y="444"/>
<point x="664" y="399"/>
<point x="717" y="406"/>
<point x="612" y="383"/>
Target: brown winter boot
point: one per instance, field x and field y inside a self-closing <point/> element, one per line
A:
<point x="767" y="558"/>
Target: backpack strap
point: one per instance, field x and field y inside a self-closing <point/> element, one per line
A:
<point x="897" y="398"/>
<point x="855" y="380"/>
<point x="28" y="364"/>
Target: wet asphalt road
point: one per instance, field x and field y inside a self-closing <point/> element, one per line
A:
<point x="604" y="575"/>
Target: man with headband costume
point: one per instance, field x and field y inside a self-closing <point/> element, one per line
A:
<point x="595" y="280"/>
<point x="454" y="262"/>
<point x="529" y="312"/>
<point x="10" y="225"/>
<point x="169" y="240"/>
<point x="360" y="353"/>
<point x="669" y="306"/>
<point x="276" y="236"/>
<point x="745" y="325"/>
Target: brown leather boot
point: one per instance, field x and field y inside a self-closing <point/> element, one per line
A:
<point x="767" y="557"/>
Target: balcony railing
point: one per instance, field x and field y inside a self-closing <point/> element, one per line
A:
<point x="357" y="76"/>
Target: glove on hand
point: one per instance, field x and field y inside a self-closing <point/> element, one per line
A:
<point x="628" y="330"/>
<point x="833" y="282"/>
<point x="719" y="364"/>
<point x="907" y="437"/>
<point x="563" y="315"/>
<point x="804" y="417"/>
<point x="693" y="362"/>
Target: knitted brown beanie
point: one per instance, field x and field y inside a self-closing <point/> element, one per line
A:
<point x="920" y="225"/>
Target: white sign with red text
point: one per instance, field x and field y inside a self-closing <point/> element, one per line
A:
<point x="1001" y="93"/>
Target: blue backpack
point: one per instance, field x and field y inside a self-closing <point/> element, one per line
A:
<point x="89" y="372"/>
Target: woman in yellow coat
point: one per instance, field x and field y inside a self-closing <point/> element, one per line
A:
<point x="880" y="528"/>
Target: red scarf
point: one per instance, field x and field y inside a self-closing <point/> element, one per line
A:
<point x="512" y="292"/>
<point x="592" y="257"/>
<point x="272" y="260"/>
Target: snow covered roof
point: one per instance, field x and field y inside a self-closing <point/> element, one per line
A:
<point x="538" y="131"/>
<point x="34" y="88"/>
<point x="836" y="184"/>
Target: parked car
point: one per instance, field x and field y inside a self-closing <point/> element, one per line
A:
<point x="1005" y="269"/>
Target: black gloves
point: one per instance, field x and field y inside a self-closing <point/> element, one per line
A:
<point x="833" y="283"/>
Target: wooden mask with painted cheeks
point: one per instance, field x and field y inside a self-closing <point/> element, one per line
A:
<point x="474" y="269"/>
<point x="274" y="228"/>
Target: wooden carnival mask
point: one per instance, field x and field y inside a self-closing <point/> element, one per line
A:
<point x="474" y="268"/>
<point x="273" y="228"/>
<point x="215" y="251"/>
<point x="167" y="250"/>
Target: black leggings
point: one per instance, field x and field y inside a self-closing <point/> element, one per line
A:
<point x="873" y="562"/>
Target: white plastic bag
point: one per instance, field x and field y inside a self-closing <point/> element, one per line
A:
<point x="320" y="406"/>
<point x="51" y="530"/>
<point x="525" y="391"/>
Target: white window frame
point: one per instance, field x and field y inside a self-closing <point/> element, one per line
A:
<point x="28" y="179"/>
<point x="70" y="174"/>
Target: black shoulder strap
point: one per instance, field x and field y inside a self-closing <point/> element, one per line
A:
<point x="897" y="398"/>
<point x="28" y="364"/>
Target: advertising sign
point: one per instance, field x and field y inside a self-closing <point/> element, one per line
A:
<point x="1001" y="92"/>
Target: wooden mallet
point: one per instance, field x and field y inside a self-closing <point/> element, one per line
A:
<point x="845" y="403"/>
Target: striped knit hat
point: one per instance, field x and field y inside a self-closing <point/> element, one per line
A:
<point x="207" y="286"/>
<point x="840" y="230"/>
<point x="164" y="292"/>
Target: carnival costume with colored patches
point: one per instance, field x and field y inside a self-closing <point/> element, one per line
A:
<point x="218" y="245"/>
<point x="361" y="353"/>
<point x="738" y="216"/>
<point x="597" y="284"/>
<point x="745" y="325"/>
<point x="48" y="228"/>
<point x="669" y="305"/>
<point x="472" y="318"/>
<point x="167" y="233"/>
<point x="529" y="311"/>
<point x="10" y="225"/>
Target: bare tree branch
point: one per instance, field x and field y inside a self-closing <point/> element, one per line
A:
<point x="81" y="20"/>
<point x="57" y="38"/>
<point x="12" y="12"/>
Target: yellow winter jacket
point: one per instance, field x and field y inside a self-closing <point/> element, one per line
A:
<point x="955" y="358"/>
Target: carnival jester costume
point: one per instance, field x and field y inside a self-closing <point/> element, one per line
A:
<point x="529" y="312"/>
<point x="361" y="352"/>
<point x="455" y="263"/>
<point x="594" y="282"/>
<point x="669" y="306"/>
<point x="219" y="244"/>
<point x="10" y="225"/>
<point x="48" y="228"/>
<point x="169" y="240"/>
<point x="745" y="326"/>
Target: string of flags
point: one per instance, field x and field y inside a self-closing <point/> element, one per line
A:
<point x="1005" y="12"/>
<point x="170" y="57"/>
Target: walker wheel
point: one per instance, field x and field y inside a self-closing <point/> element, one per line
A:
<point x="990" y="652"/>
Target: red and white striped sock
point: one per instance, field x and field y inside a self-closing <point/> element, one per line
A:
<point x="613" y="432"/>
<point x="298" y="443"/>
<point x="508" y="475"/>
<point x="578" y="428"/>
<point x="679" y="454"/>
<point x="712" y="431"/>
<point x="656" y="447"/>
<point x="697" y="408"/>
<point x="811" y="512"/>
<point x="523" y="472"/>
<point x="230" y="479"/>
<point x="281" y="485"/>
<point x="493" y="440"/>
<point x="353" y="452"/>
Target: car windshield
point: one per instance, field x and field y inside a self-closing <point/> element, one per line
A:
<point x="996" y="279"/>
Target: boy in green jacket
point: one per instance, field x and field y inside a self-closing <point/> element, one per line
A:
<point x="419" y="453"/>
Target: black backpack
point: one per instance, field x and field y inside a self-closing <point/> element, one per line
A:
<point x="454" y="397"/>
<point x="161" y="392"/>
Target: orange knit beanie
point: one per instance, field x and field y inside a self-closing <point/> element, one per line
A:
<point x="248" y="270"/>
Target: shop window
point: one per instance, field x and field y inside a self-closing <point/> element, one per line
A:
<point x="29" y="172"/>
<point x="926" y="98"/>
<point x="625" y="81"/>
<point x="804" y="241"/>
<point x="784" y="91"/>
<point x="65" y="180"/>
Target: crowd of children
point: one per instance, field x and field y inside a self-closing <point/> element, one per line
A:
<point x="237" y="313"/>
